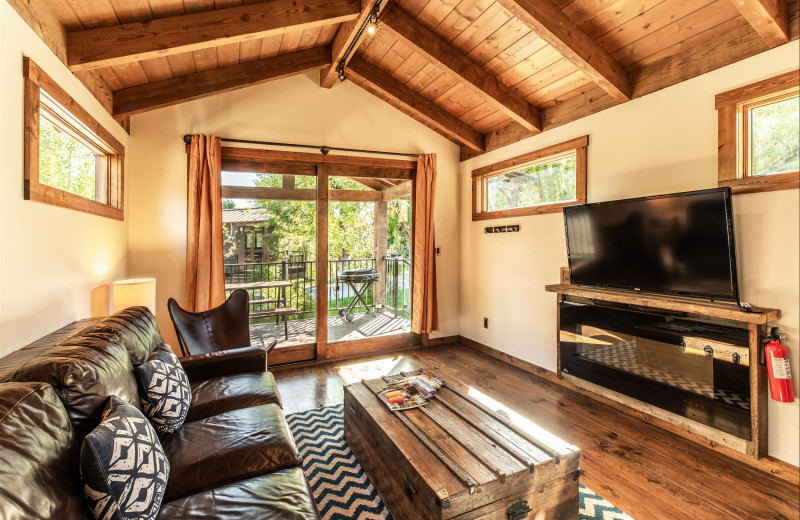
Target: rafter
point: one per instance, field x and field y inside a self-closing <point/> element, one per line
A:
<point x="383" y="85"/>
<point x="141" y="98"/>
<point x="768" y="17"/>
<point x="346" y="36"/>
<point x="554" y="27"/>
<point x="130" y="42"/>
<point x="436" y="50"/>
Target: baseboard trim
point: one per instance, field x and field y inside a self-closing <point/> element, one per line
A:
<point x="770" y="465"/>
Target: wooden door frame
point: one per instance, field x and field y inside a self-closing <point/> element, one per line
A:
<point x="323" y="167"/>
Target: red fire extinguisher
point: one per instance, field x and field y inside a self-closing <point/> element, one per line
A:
<point x="780" y="374"/>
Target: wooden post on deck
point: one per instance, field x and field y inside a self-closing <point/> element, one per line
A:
<point x="381" y="225"/>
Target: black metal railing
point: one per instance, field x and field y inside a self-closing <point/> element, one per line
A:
<point x="301" y="295"/>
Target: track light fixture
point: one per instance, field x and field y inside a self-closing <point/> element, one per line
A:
<point x="372" y="22"/>
<point x="370" y="25"/>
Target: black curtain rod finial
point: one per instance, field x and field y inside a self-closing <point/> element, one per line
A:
<point x="187" y="138"/>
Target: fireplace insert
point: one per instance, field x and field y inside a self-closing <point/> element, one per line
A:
<point x="696" y="369"/>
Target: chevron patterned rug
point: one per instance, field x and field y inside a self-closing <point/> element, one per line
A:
<point x="343" y="491"/>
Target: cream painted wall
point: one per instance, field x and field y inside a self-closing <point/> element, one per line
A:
<point x="293" y="110"/>
<point x="53" y="261"/>
<point x="661" y="143"/>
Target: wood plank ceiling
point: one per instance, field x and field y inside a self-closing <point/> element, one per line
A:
<point x="483" y="73"/>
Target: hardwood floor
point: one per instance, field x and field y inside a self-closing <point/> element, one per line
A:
<point x="647" y="472"/>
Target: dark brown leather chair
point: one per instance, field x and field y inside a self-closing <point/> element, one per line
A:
<point x="226" y="327"/>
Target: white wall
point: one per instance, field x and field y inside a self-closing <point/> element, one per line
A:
<point x="661" y="143"/>
<point x="293" y="110"/>
<point x="53" y="260"/>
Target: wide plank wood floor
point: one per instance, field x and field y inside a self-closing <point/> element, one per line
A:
<point x="647" y="472"/>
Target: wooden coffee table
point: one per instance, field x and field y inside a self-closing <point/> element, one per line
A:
<point x="458" y="458"/>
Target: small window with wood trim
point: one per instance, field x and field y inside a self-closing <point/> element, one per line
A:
<point x="539" y="182"/>
<point x="70" y="159"/>
<point x="759" y="135"/>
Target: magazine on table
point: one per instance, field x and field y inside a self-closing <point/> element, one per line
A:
<point x="410" y="392"/>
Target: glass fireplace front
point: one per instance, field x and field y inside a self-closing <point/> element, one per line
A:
<point x="695" y="369"/>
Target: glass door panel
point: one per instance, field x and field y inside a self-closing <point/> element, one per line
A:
<point x="269" y="230"/>
<point x="369" y="258"/>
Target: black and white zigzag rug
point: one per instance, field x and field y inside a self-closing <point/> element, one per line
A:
<point x="343" y="491"/>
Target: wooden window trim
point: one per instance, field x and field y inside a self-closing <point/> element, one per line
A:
<point x="110" y="168"/>
<point x="479" y="176"/>
<point x="733" y="113"/>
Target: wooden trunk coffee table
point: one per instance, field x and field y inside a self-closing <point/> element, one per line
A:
<point x="458" y="458"/>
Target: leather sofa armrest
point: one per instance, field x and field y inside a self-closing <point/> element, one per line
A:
<point x="224" y="363"/>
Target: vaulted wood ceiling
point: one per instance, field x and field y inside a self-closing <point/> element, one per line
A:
<point x="483" y="73"/>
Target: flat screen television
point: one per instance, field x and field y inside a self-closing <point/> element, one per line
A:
<point x="682" y="244"/>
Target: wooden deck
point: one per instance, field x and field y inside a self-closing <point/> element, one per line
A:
<point x="644" y="470"/>
<point x="302" y="331"/>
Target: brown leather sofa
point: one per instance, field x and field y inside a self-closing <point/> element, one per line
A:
<point x="234" y="457"/>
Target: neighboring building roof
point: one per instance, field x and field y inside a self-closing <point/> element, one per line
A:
<point x="244" y="216"/>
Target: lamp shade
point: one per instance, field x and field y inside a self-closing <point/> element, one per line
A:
<point x="133" y="292"/>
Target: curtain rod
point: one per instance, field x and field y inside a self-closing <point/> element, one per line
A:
<point x="322" y="149"/>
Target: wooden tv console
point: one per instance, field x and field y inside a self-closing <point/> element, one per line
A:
<point x="756" y="323"/>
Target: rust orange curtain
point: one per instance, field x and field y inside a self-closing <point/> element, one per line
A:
<point x="425" y="318"/>
<point x="205" y="274"/>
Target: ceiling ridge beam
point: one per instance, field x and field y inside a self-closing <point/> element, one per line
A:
<point x="436" y="50"/>
<point x="136" y="41"/>
<point x="150" y="96"/>
<point x="385" y="86"/>
<point x="549" y="23"/>
<point x="769" y="18"/>
<point x="347" y="36"/>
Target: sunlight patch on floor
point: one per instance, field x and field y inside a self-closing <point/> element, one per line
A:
<point x="525" y="425"/>
<point x="355" y="372"/>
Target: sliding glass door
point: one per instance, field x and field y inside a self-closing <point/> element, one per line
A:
<point x="323" y="250"/>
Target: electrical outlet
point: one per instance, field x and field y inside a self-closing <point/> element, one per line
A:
<point x="438" y="250"/>
<point x="485" y="323"/>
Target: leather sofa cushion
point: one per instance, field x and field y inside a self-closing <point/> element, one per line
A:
<point x="228" y="447"/>
<point x="38" y="456"/>
<point x="135" y="328"/>
<point x="84" y="371"/>
<point x="223" y="394"/>
<point x="280" y="495"/>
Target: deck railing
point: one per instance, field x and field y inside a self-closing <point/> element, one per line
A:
<point x="395" y="285"/>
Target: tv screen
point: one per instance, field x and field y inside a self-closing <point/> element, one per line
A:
<point x="681" y="243"/>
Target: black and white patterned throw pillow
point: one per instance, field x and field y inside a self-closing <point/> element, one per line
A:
<point x="123" y="466"/>
<point x="164" y="390"/>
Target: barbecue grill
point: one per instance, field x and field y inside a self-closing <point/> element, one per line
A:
<point x="359" y="281"/>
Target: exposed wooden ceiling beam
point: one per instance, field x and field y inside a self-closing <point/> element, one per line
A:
<point x="346" y="36"/>
<point x="400" y="191"/>
<point x="554" y="27"/>
<point x="129" y="42"/>
<point x="383" y="85"/>
<point x="436" y="50"/>
<point x="726" y="49"/>
<point x="768" y="17"/>
<point x="39" y="17"/>
<point x="141" y="98"/>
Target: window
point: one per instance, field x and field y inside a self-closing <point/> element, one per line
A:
<point x="539" y="182"/>
<point x="759" y="135"/>
<point x="70" y="160"/>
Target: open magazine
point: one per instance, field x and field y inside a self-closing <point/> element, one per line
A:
<point x="410" y="392"/>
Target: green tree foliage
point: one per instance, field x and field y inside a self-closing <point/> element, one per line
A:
<point x="64" y="162"/>
<point x="292" y="224"/>
<point x="552" y="181"/>
<point x="776" y="137"/>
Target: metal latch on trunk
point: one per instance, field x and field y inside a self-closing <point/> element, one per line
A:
<point x="519" y="510"/>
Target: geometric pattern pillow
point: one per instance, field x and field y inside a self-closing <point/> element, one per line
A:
<point x="164" y="390"/>
<point x="123" y="466"/>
